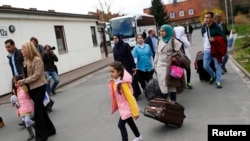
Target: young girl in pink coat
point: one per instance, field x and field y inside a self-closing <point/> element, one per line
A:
<point x="24" y="105"/>
<point x="121" y="93"/>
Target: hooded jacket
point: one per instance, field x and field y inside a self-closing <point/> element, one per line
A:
<point x="124" y="101"/>
<point x="25" y="102"/>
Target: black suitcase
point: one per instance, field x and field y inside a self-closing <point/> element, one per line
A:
<point x="203" y="74"/>
<point x="152" y="90"/>
<point x="162" y="110"/>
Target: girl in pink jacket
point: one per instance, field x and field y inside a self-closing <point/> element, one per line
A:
<point x="24" y="105"/>
<point x="122" y="99"/>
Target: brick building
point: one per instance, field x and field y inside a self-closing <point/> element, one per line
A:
<point x="188" y="10"/>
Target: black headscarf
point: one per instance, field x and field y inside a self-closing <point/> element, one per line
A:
<point x="120" y="41"/>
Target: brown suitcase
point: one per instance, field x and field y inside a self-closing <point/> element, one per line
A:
<point x="164" y="111"/>
<point x="1" y="122"/>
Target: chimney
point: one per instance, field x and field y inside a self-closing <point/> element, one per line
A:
<point x="50" y="10"/>
<point x="6" y="6"/>
<point x="32" y="9"/>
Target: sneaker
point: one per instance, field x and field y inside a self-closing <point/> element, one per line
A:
<point x="138" y="139"/>
<point x="212" y="79"/>
<point x="218" y="85"/>
<point x="189" y="86"/>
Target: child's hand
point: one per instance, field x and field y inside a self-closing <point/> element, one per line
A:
<point x="136" y="117"/>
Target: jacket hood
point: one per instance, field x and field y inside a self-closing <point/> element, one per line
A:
<point x="179" y="31"/>
<point x="126" y="78"/>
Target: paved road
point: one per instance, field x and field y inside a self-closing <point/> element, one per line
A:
<point x="82" y="109"/>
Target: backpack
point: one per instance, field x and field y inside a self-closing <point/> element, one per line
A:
<point x="182" y="46"/>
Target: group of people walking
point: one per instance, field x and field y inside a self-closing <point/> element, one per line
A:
<point x="32" y="66"/>
<point x="155" y="55"/>
<point x="139" y="65"/>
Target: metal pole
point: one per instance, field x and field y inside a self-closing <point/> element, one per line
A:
<point x="232" y="15"/>
<point x="226" y="10"/>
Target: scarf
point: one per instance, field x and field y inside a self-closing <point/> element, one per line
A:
<point x="120" y="42"/>
<point x="169" y="32"/>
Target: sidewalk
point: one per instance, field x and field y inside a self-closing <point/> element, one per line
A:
<point x="71" y="76"/>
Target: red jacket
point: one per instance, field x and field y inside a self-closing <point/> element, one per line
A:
<point x="218" y="48"/>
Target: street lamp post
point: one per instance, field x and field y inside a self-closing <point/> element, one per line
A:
<point x="226" y="10"/>
<point x="232" y="15"/>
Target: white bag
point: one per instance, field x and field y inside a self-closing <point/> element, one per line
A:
<point x="46" y="99"/>
<point x="231" y="41"/>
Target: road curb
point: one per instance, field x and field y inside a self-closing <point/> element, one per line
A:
<point x="246" y="73"/>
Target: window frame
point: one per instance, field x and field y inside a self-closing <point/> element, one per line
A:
<point x="181" y="13"/>
<point x="171" y="15"/>
<point x="189" y="11"/>
<point x="93" y="35"/>
<point x="60" y="28"/>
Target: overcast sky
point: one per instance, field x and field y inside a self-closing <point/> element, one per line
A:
<point x="82" y="6"/>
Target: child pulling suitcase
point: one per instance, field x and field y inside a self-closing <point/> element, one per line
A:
<point x="164" y="111"/>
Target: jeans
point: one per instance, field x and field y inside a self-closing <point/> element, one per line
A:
<point x="207" y="58"/>
<point x="224" y="61"/>
<point x="55" y="78"/>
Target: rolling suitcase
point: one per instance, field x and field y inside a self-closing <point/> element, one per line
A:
<point x="203" y="74"/>
<point x="162" y="110"/>
<point x="1" y="123"/>
<point x="152" y="90"/>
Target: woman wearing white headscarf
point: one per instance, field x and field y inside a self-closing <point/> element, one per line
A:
<point x="180" y="34"/>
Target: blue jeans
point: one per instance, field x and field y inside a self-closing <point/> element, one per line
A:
<point x="207" y="58"/>
<point x="55" y="78"/>
<point x="224" y="61"/>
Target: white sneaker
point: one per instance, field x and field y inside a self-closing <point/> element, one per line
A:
<point x="138" y="139"/>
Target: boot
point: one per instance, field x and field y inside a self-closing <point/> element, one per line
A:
<point x="31" y="134"/>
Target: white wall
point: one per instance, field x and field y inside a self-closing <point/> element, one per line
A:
<point x="78" y="39"/>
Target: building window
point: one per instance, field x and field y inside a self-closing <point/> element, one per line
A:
<point x="181" y="13"/>
<point x="93" y="34"/>
<point x="60" y="39"/>
<point x="172" y="15"/>
<point x="191" y="12"/>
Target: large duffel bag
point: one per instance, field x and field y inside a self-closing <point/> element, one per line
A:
<point x="164" y="111"/>
<point x="152" y="90"/>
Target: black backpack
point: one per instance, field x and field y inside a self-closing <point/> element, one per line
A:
<point x="182" y="46"/>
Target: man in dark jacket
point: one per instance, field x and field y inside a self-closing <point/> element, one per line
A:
<point x="151" y="40"/>
<point x="223" y="27"/>
<point x="209" y="32"/>
<point x="49" y="57"/>
<point x="38" y="46"/>
<point x="188" y="31"/>
<point x="15" y="57"/>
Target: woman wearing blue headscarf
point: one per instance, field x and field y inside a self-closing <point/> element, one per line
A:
<point x="167" y="49"/>
<point x="122" y="53"/>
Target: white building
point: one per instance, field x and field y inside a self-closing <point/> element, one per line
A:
<point x="75" y="37"/>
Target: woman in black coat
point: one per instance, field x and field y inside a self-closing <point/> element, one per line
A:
<point x="122" y="53"/>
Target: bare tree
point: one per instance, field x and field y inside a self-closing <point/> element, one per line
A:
<point x="105" y="11"/>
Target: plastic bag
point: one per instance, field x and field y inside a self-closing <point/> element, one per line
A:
<point x="46" y="99"/>
<point x="231" y="41"/>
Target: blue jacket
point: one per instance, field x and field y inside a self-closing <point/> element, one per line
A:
<point x="144" y="57"/>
